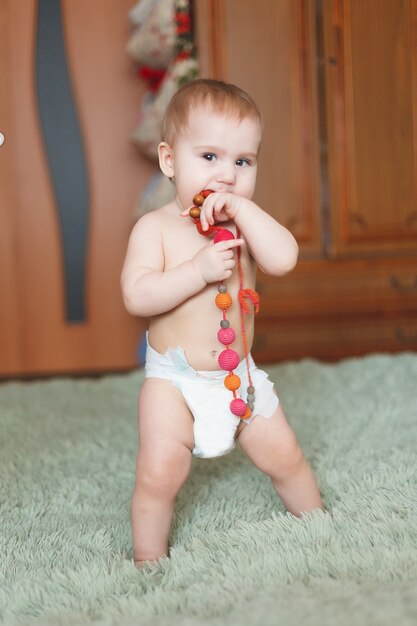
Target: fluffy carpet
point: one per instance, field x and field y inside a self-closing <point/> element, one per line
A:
<point x="67" y="469"/>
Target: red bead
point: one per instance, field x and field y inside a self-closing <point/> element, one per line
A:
<point x="206" y="192"/>
<point x="207" y="232"/>
<point x="228" y="359"/>
<point x="226" y="336"/>
<point x="238" y="407"/>
<point x="222" y="234"/>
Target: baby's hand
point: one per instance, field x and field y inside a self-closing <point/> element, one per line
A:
<point x="218" y="207"/>
<point x="215" y="262"/>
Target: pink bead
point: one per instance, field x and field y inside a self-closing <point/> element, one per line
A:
<point x="222" y="234"/>
<point x="228" y="359"/>
<point x="238" y="407"/>
<point x="226" y="336"/>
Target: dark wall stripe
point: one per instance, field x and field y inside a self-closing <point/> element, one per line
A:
<point x="64" y="149"/>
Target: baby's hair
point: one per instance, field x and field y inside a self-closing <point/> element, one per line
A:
<point x="221" y="97"/>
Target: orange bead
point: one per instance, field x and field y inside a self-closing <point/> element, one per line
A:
<point x="232" y="382"/>
<point x="223" y="301"/>
<point x="247" y="414"/>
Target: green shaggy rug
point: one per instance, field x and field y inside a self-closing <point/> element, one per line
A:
<point x="66" y="475"/>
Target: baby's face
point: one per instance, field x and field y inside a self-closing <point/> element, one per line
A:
<point x="217" y="152"/>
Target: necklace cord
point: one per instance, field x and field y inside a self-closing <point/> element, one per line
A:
<point x="243" y="296"/>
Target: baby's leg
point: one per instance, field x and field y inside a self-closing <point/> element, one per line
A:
<point x="166" y="440"/>
<point x="272" y="446"/>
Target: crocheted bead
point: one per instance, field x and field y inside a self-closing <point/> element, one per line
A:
<point x="228" y="359"/>
<point x="223" y="301"/>
<point x="238" y="407"/>
<point x="247" y="413"/>
<point x="198" y="199"/>
<point x="226" y="336"/>
<point x="232" y="382"/>
<point x="207" y="232"/>
<point x="222" y="234"/>
<point x="251" y="405"/>
<point x="251" y="397"/>
<point x="221" y="288"/>
<point x="225" y="323"/>
<point x="251" y="389"/>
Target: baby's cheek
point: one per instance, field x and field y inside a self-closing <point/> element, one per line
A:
<point x="249" y="186"/>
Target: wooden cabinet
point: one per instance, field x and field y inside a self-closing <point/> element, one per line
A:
<point x="336" y="83"/>
<point x="370" y="61"/>
<point x="39" y="332"/>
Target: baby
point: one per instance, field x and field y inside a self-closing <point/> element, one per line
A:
<point x="211" y="136"/>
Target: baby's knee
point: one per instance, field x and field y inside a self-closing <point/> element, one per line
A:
<point x="287" y="460"/>
<point x="290" y="462"/>
<point x="163" y="477"/>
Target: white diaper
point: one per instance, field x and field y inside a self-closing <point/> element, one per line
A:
<point x="208" y="399"/>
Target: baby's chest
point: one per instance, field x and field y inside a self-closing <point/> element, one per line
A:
<point x="180" y="246"/>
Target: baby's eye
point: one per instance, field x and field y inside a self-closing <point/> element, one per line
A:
<point x="209" y="156"/>
<point x="242" y="162"/>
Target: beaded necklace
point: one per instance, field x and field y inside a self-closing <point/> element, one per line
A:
<point x="229" y="359"/>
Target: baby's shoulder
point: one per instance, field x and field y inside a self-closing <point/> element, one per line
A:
<point x="151" y="223"/>
<point x="153" y="218"/>
<point x="157" y="218"/>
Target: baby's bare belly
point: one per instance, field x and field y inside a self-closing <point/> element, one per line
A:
<point x="194" y="325"/>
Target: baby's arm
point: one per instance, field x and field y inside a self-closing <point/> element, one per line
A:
<point x="148" y="290"/>
<point x="271" y="244"/>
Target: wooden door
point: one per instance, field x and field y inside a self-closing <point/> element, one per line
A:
<point x="40" y="330"/>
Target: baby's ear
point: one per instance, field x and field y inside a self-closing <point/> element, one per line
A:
<point x="166" y="159"/>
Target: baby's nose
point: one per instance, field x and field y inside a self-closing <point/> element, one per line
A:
<point x="226" y="173"/>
